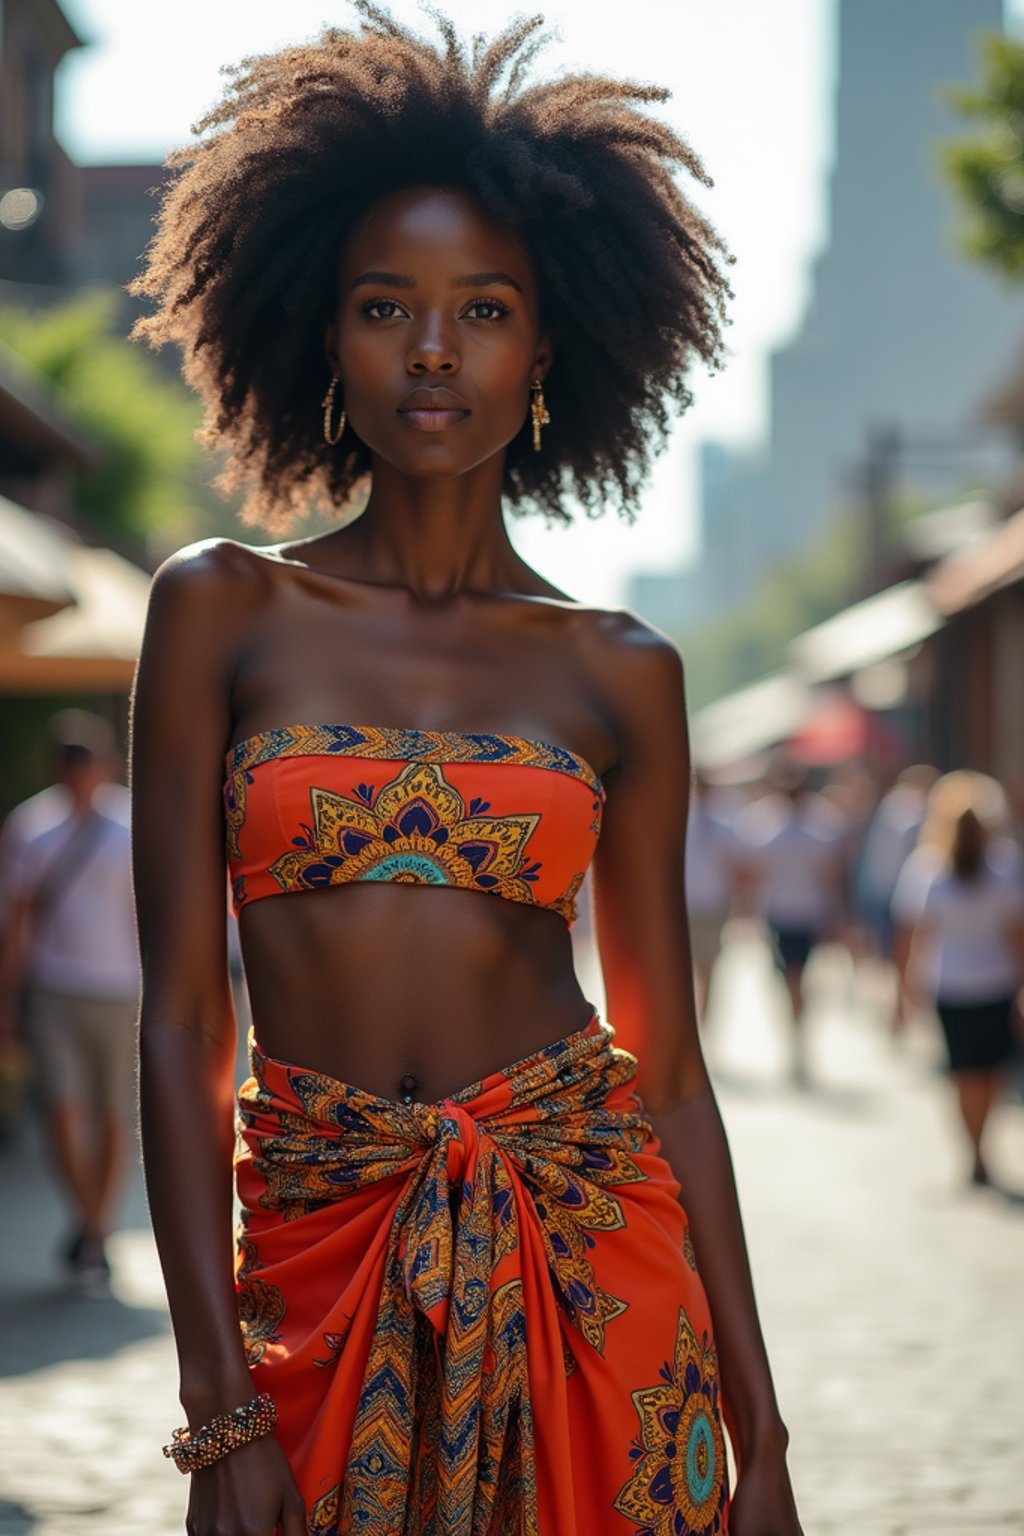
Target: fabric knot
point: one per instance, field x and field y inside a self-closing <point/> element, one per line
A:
<point x="460" y="1133"/>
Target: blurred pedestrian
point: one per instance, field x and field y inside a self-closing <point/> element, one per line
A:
<point x="69" y="972"/>
<point x="962" y="901"/>
<point x="794" y="845"/>
<point x="713" y="859"/>
<point x="891" y="837"/>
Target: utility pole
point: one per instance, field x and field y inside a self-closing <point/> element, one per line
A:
<point x="881" y="465"/>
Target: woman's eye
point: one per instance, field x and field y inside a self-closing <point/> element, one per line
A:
<point x="479" y="309"/>
<point x="389" y="307"/>
<point x="496" y="307"/>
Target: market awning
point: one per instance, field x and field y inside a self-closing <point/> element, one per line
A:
<point x="90" y="646"/>
<point x="32" y="560"/>
<point x="885" y="625"/>
<point x="963" y="579"/>
<point x="749" y="721"/>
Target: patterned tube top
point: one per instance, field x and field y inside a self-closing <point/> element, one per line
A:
<point x="308" y="806"/>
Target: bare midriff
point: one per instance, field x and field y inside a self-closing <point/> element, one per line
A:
<point x="372" y="983"/>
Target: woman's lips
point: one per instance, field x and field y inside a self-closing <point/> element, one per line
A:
<point x="432" y="420"/>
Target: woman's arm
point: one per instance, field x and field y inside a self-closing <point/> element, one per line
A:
<point x="180" y="731"/>
<point x="910" y="943"/>
<point x="641" y="927"/>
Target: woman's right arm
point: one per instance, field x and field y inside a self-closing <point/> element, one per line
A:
<point x="181" y="722"/>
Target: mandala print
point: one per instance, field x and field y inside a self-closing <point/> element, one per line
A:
<point x="417" y="829"/>
<point x="678" y="1485"/>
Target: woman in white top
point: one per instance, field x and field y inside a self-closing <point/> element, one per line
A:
<point x="967" y="951"/>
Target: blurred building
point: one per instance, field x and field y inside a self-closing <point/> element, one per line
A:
<point x="61" y="225"/>
<point x="899" y="326"/>
<point x="71" y="613"/>
<point x="38" y="183"/>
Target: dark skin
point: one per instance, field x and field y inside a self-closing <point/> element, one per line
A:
<point x="419" y="613"/>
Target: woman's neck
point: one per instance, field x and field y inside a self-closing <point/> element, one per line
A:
<point x="438" y="537"/>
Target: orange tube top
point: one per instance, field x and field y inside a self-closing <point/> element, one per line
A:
<point x="309" y="806"/>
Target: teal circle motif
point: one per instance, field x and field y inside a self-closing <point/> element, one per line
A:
<point x="416" y="864"/>
<point x="700" y="1436"/>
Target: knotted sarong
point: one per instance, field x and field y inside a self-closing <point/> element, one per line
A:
<point x="481" y="1316"/>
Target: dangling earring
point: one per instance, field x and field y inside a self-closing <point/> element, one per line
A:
<point x="539" y="412"/>
<point x="328" y="406"/>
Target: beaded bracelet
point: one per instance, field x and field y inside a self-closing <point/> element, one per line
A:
<point x="192" y="1449"/>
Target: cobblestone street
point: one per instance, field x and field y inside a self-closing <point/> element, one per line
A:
<point x="890" y="1294"/>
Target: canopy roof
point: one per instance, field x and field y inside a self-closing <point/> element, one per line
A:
<point x="91" y="638"/>
<point x="748" y="721"/>
<point x="32" y="559"/>
<point x="891" y="621"/>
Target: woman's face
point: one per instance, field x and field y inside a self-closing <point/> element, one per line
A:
<point x="437" y="332"/>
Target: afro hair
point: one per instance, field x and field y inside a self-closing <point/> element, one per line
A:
<point x="243" y="266"/>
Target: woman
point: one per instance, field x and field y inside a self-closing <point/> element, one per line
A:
<point x="794" y="869"/>
<point x="961" y="900"/>
<point x="466" y="1284"/>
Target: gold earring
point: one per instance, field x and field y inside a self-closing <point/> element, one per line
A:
<point x="328" y="406"/>
<point x="539" y="412"/>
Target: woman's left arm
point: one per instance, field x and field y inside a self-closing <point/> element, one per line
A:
<point x="642" y="931"/>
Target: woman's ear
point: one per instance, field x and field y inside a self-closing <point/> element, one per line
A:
<point x="543" y="357"/>
<point x="330" y="348"/>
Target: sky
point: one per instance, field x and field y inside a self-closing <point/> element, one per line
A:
<point x="763" y="133"/>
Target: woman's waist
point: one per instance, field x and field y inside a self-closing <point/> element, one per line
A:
<point x="420" y="1045"/>
<point x="374" y="1018"/>
<point x="982" y="969"/>
<point x="574" y="1092"/>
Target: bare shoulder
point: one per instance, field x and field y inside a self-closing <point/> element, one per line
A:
<point x="636" y="671"/>
<point x="640" y="666"/>
<point x="216" y="566"/>
<point x="208" y="586"/>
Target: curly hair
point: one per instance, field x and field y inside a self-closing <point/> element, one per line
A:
<point x="303" y="141"/>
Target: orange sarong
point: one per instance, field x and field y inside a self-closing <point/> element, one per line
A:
<point x="482" y="1316"/>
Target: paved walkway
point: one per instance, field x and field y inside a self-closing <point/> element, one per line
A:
<point x="890" y="1296"/>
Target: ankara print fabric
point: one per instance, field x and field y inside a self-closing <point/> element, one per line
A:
<point x="477" y="1317"/>
<point x="309" y="807"/>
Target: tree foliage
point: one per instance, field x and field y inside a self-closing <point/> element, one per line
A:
<point x="748" y="642"/>
<point x="987" y="168"/>
<point x="143" y="422"/>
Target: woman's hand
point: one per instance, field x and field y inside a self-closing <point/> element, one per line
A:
<point x="763" y="1503"/>
<point x="248" y="1492"/>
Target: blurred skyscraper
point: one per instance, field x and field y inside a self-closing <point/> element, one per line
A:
<point x="899" y="327"/>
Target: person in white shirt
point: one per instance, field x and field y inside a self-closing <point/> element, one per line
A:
<point x="795" y="862"/>
<point x="713" y="857"/>
<point x="69" y="971"/>
<point x="960" y="897"/>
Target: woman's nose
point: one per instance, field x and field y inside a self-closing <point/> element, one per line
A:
<point x="433" y="349"/>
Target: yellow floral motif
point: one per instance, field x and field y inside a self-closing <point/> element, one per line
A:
<point x="323" y="1518"/>
<point x="417" y="829"/>
<point x="678" y="1486"/>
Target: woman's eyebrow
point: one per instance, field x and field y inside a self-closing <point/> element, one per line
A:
<point x="384" y="280"/>
<point x="486" y="280"/>
<point x="401" y="280"/>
